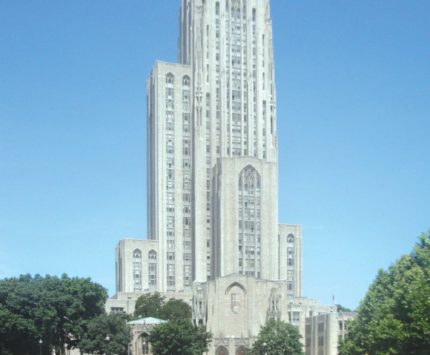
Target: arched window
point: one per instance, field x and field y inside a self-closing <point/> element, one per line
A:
<point x="152" y="255"/>
<point x="221" y="350"/>
<point x="290" y="238"/>
<point x="249" y="203"/>
<point x="186" y="80"/>
<point x="241" y="350"/>
<point x="152" y="269"/>
<point x="170" y="79"/>
<point x="137" y="270"/>
<point x="217" y="8"/>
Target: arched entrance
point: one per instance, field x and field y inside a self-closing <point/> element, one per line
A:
<point x="221" y="350"/>
<point x="142" y="344"/>
<point x="241" y="350"/>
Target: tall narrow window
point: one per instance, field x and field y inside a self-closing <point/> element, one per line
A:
<point x="249" y="248"/>
<point x="137" y="270"/>
<point x="152" y="269"/>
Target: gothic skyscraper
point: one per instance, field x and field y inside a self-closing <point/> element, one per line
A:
<point x="212" y="148"/>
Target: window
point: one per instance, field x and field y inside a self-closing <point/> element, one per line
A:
<point x="170" y="80"/>
<point x="117" y="310"/>
<point x="186" y="81"/>
<point x="152" y="255"/>
<point x="249" y="221"/>
<point x="137" y="271"/>
<point x="152" y="269"/>
<point x="137" y="254"/>
<point x="171" y="276"/>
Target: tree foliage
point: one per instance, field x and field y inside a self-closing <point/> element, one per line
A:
<point x="341" y="308"/>
<point x="154" y="305"/>
<point x="106" y="334"/>
<point x="278" y="337"/>
<point x="54" y="310"/>
<point x="394" y="316"/>
<point x="175" y="310"/>
<point x="148" y="305"/>
<point x="179" y="337"/>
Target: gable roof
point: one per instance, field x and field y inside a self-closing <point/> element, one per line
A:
<point x="147" y="321"/>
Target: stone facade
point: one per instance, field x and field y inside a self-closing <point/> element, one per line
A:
<point x="235" y="307"/>
<point x="136" y="265"/>
<point x="141" y="330"/>
<point x="323" y="332"/>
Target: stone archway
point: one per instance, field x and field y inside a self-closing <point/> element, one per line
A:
<point x="141" y="344"/>
<point x="221" y="350"/>
<point x="241" y="350"/>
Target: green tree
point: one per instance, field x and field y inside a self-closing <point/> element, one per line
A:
<point x="179" y="338"/>
<point x="341" y="308"/>
<point x="278" y="337"/>
<point x="154" y="305"/>
<point x="106" y="334"/>
<point x="175" y="310"/>
<point x="54" y="310"/>
<point x="394" y="316"/>
<point x="148" y="305"/>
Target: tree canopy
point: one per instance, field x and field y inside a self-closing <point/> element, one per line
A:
<point x="394" y="316"/>
<point x="175" y="310"/>
<point x="49" y="309"/>
<point x="179" y="337"/>
<point x="106" y="334"/>
<point x="154" y="305"/>
<point x="341" y="308"/>
<point x="148" y="305"/>
<point x="278" y="337"/>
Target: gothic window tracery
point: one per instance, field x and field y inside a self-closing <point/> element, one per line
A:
<point x="250" y="222"/>
<point x="137" y="270"/>
<point x="186" y="81"/>
<point x="170" y="79"/>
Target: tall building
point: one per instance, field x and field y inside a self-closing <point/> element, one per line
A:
<point x="212" y="161"/>
<point x="212" y="155"/>
<point x="213" y="233"/>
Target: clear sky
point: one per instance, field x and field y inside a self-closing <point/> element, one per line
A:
<point x="353" y="90"/>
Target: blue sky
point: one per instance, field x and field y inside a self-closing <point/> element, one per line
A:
<point x="353" y="89"/>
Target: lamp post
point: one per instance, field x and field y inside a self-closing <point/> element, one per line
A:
<point x="107" y="342"/>
<point x="40" y="346"/>
<point x="265" y="348"/>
